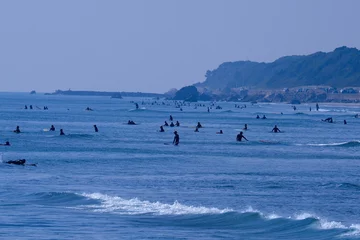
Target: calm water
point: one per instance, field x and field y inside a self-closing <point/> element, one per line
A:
<point x="125" y="183"/>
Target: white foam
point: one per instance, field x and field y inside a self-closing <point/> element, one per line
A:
<point x="325" y="224"/>
<point x="136" y="206"/>
<point x="303" y="216"/>
<point x="332" y="144"/>
<point x="272" y="216"/>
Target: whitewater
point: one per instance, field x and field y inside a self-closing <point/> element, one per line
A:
<point x="130" y="182"/>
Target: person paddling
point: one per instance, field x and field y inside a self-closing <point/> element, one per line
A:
<point x="276" y="129"/>
<point x="240" y="136"/>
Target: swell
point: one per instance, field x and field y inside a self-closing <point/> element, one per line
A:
<point x="354" y="143"/>
<point x="177" y="214"/>
<point x="211" y="217"/>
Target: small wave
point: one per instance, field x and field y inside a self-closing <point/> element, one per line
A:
<point x="59" y="198"/>
<point x="136" y="206"/>
<point x="137" y="110"/>
<point x="211" y="215"/>
<point x="342" y="144"/>
<point x="75" y="135"/>
<point x="345" y="186"/>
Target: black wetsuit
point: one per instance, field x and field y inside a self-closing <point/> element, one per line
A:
<point x="17" y="162"/>
<point x="176" y="139"/>
<point x="239" y="137"/>
<point x="276" y="130"/>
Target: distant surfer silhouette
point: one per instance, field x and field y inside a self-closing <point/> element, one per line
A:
<point x="329" y="120"/>
<point x="176" y="138"/>
<point x="276" y="129"/>
<point x="17" y="130"/>
<point x="240" y="136"/>
<point x="7" y="143"/>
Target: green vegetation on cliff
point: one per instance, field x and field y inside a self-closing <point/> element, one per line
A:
<point x="340" y="68"/>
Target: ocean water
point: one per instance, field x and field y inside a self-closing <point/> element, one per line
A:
<point x="129" y="182"/>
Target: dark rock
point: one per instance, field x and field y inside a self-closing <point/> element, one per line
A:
<point x="189" y="94"/>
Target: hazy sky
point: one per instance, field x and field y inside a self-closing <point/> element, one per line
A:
<point x="155" y="45"/>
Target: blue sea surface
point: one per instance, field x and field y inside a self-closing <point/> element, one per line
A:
<point x="130" y="182"/>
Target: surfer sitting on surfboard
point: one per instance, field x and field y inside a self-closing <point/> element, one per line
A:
<point x="240" y="136"/>
<point x="17" y="130"/>
<point x="52" y="128"/>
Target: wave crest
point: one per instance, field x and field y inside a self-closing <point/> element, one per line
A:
<point x="136" y="206"/>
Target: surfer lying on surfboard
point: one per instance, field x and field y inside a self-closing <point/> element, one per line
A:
<point x="7" y="143"/>
<point x="20" y="162"/>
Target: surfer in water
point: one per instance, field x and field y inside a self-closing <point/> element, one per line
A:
<point x="96" y="128"/>
<point x="17" y="130"/>
<point x="221" y="132"/>
<point x="240" y="136"/>
<point x="7" y="143"/>
<point x="199" y="125"/>
<point x="130" y="122"/>
<point x="166" y="124"/>
<point x="172" y="124"/>
<point x="345" y="122"/>
<point x="61" y="132"/>
<point x="177" y="124"/>
<point x="20" y="162"/>
<point x="176" y="139"/>
<point x="257" y="116"/>
<point x="329" y="120"/>
<point x="264" y="117"/>
<point x="245" y="127"/>
<point x="17" y="162"/>
<point x="52" y="128"/>
<point x="276" y="129"/>
<point x="171" y="118"/>
<point x="161" y="129"/>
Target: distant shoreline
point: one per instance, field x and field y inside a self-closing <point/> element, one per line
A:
<point x="104" y="93"/>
